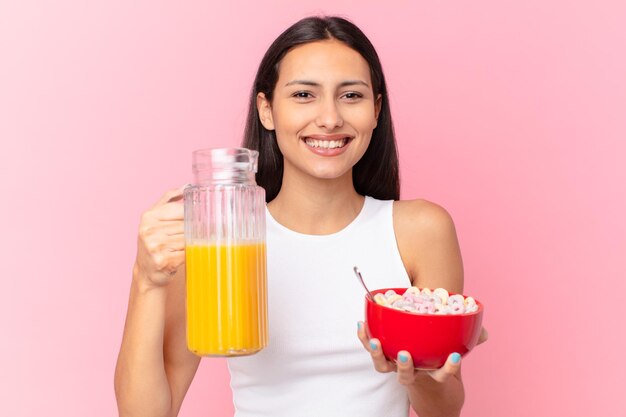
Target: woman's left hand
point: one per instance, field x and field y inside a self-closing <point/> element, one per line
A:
<point x="407" y="374"/>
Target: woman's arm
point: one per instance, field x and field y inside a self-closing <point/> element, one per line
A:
<point x="154" y="367"/>
<point x="428" y="245"/>
<point x="430" y="251"/>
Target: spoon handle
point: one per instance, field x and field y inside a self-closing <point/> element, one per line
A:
<point x="358" y="275"/>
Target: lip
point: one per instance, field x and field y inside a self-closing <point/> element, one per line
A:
<point x="336" y="136"/>
<point x="328" y="151"/>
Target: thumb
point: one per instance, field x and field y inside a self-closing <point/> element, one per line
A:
<point x="172" y="195"/>
<point x="450" y="368"/>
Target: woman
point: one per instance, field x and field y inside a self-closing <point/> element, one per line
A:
<point x="319" y="117"/>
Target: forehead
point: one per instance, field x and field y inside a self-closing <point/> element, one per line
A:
<point x="323" y="61"/>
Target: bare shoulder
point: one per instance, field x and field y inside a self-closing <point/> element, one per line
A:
<point x="428" y="244"/>
<point x="421" y="215"/>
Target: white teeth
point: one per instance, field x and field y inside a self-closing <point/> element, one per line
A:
<point x="326" y="144"/>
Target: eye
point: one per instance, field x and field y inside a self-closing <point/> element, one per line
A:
<point x="302" y="95"/>
<point x="353" y="96"/>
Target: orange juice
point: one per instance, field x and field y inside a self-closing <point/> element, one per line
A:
<point x="226" y="299"/>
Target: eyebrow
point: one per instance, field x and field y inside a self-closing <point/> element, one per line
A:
<point x="314" y="84"/>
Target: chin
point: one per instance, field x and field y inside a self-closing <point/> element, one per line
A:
<point x="328" y="173"/>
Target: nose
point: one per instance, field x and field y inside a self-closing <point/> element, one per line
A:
<point x="329" y="116"/>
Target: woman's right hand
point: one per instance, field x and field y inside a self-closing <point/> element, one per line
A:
<point x="161" y="241"/>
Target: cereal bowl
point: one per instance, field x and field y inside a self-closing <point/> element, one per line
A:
<point x="429" y="338"/>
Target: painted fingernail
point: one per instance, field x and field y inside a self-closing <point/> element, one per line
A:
<point x="455" y="358"/>
<point x="403" y="357"/>
<point x="358" y="325"/>
<point x="373" y="345"/>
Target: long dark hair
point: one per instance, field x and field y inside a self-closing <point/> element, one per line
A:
<point x="376" y="174"/>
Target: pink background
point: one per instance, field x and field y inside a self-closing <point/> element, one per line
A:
<point x="512" y="115"/>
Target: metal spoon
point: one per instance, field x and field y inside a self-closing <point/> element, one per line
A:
<point x="358" y="275"/>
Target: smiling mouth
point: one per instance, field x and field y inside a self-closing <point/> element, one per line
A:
<point x="326" y="144"/>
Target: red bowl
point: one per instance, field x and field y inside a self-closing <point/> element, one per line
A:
<point x="429" y="338"/>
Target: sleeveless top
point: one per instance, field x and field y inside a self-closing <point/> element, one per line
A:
<point x="314" y="364"/>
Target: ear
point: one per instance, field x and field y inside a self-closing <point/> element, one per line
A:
<point x="264" y="108"/>
<point x="377" y="106"/>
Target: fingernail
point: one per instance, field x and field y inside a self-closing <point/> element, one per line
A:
<point x="358" y="325"/>
<point x="455" y="358"/>
<point x="403" y="357"/>
<point x="373" y="345"/>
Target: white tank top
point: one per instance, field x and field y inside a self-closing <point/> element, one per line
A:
<point x="314" y="364"/>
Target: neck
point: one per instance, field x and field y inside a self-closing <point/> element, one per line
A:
<point x="316" y="206"/>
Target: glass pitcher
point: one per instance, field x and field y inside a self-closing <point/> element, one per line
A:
<point x="225" y="254"/>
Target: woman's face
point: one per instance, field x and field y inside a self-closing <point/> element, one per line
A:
<point x="323" y="109"/>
